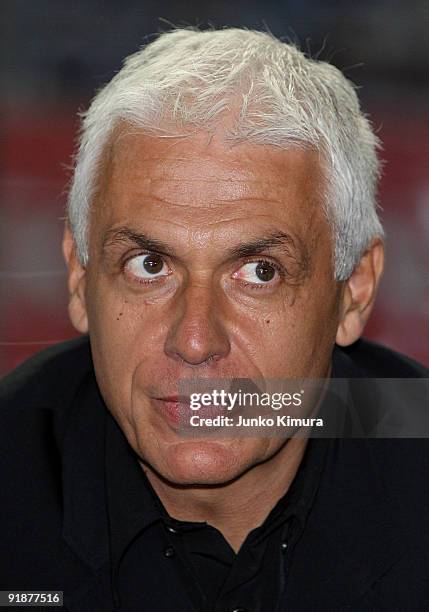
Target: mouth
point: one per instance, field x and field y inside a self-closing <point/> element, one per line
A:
<point x="177" y="411"/>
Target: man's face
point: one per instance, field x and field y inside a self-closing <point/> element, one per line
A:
<point x="206" y="261"/>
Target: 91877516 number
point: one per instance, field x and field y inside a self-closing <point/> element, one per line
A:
<point x="31" y="598"/>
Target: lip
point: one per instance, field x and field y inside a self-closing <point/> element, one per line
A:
<point x="173" y="407"/>
<point x="176" y="409"/>
<point x="174" y="398"/>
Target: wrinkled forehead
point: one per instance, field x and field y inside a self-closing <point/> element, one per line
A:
<point x="132" y="156"/>
<point x="203" y="181"/>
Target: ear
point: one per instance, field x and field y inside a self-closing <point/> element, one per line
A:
<point x="358" y="295"/>
<point x="76" y="283"/>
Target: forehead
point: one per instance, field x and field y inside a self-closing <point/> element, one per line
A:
<point x="203" y="183"/>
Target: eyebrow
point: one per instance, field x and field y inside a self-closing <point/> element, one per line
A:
<point x="127" y="235"/>
<point x="274" y="240"/>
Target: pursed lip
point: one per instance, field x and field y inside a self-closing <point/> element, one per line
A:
<point x="182" y="399"/>
<point x="176" y="409"/>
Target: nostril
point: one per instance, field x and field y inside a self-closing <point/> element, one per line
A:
<point x="197" y="361"/>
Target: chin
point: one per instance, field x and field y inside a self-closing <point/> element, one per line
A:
<point x="201" y="463"/>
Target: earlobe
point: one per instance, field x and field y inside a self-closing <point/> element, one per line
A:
<point x="76" y="283"/>
<point x="359" y="293"/>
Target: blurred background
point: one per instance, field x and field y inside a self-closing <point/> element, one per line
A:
<point x="56" y="53"/>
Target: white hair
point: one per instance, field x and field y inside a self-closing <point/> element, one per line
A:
<point x="188" y="81"/>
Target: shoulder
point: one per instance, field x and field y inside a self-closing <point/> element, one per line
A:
<point x="38" y="404"/>
<point x="395" y="421"/>
<point x="48" y="379"/>
<point x="373" y="360"/>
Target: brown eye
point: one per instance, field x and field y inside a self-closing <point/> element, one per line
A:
<point x="264" y="271"/>
<point x="153" y="264"/>
<point x="147" y="267"/>
<point x="257" y="272"/>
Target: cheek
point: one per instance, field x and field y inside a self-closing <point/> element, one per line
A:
<point x="123" y="335"/>
<point x="120" y="319"/>
<point x="294" y="339"/>
<point x="315" y="331"/>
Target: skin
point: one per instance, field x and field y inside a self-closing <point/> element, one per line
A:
<point x="207" y="315"/>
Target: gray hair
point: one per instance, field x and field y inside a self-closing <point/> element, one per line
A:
<point x="187" y="80"/>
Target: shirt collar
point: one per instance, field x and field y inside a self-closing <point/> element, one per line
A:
<point x="299" y="498"/>
<point x="132" y="504"/>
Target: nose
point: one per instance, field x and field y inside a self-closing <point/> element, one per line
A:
<point x="197" y="335"/>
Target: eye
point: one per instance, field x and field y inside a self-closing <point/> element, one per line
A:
<point x="147" y="267"/>
<point x="257" y="272"/>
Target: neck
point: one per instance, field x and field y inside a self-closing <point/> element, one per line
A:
<point x="226" y="507"/>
